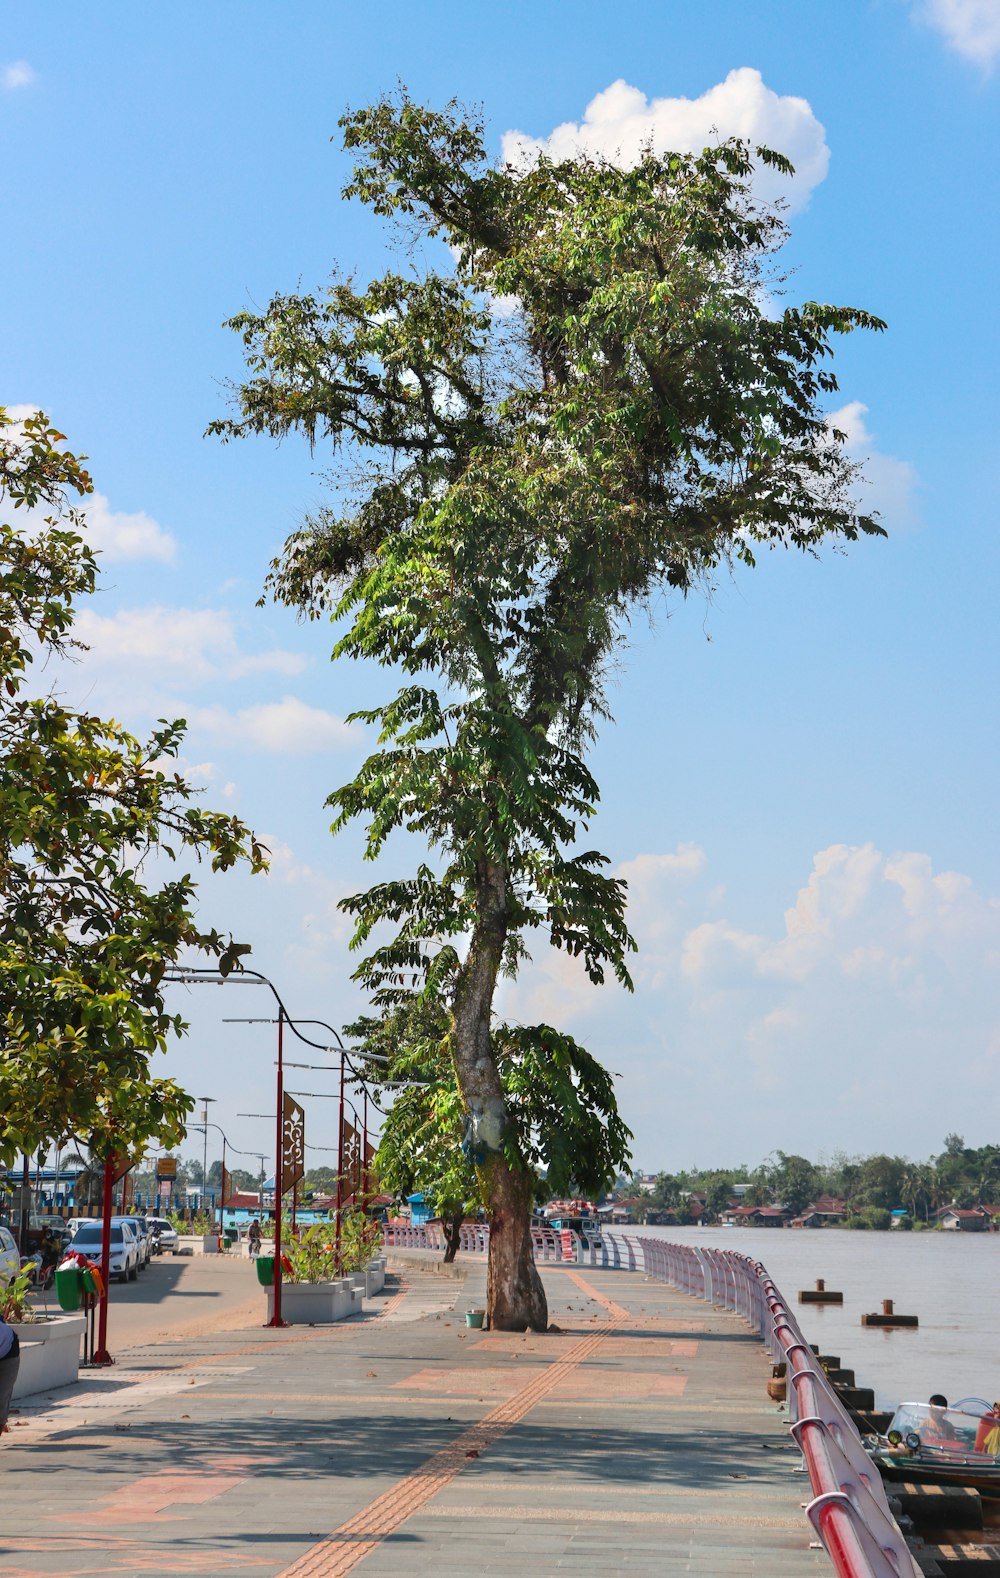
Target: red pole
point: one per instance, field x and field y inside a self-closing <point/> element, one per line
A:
<point x="222" y="1191"/>
<point x="276" y="1319"/>
<point x="340" y="1159"/>
<point x="22" y="1232"/>
<point x="102" y="1356"/>
<point x="364" y="1157"/>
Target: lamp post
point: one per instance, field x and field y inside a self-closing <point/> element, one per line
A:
<point x="204" y="1153"/>
<point x="192" y="977"/>
<point x="226" y="1144"/>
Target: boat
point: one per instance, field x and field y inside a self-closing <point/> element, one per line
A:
<point x="579" y="1216"/>
<point x="931" y="1445"/>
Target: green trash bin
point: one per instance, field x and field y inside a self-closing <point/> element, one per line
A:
<point x="69" y="1288"/>
<point x="232" y="1236"/>
<point x="265" y="1270"/>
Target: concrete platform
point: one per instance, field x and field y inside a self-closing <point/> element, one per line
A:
<point x="638" y="1439"/>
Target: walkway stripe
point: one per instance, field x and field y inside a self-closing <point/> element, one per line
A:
<point x="348" y="1545"/>
<point x="612" y="1308"/>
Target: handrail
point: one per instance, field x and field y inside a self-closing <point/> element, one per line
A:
<point x="849" y="1510"/>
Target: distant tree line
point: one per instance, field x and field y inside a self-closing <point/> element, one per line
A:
<point x="870" y="1186"/>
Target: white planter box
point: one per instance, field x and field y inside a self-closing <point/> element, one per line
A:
<point x="197" y="1244"/>
<point x="50" y="1354"/>
<point x="375" y="1277"/>
<point x="317" y="1303"/>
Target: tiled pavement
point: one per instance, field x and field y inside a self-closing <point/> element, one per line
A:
<point x="637" y="1440"/>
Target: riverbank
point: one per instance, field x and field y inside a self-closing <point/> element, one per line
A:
<point x="636" y="1440"/>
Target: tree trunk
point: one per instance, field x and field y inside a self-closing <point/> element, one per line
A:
<point x="452" y="1225"/>
<point x="515" y="1298"/>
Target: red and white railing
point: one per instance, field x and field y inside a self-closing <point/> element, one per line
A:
<point x="849" y="1510"/>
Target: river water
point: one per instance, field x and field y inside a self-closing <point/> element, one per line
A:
<point x="950" y="1280"/>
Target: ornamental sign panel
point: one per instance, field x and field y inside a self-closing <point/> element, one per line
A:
<point x="293" y="1142"/>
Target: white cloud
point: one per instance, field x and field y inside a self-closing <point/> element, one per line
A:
<point x="18" y="74"/>
<point x="118" y="536"/>
<point x="969" y="27"/>
<point x="868" y="1003"/>
<point x="287" y="727"/>
<point x="621" y="120"/>
<point x="115" y="534"/>
<point x="175" y="646"/>
<point x="889" y="484"/>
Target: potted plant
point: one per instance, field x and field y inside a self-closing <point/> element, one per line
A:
<point x="50" y="1344"/>
<point x="319" y="1283"/>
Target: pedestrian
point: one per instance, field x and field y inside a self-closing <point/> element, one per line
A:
<point x="253" y="1238"/>
<point x="10" y="1360"/>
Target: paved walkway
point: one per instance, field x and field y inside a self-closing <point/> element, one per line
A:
<point x="636" y="1440"/>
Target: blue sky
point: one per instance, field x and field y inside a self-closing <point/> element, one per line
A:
<point x="801" y="779"/>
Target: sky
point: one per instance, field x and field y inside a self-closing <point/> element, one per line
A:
<point x="800" y="781"/>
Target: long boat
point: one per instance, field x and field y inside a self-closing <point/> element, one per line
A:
<point x="943" y="1446"/>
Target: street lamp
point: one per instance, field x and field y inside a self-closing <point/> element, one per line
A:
<point x="247" y="977"/>
<point x="204" y="1154"/>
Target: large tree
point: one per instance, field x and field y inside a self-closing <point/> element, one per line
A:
<point x="85" y="807"/>
<point x="587" y="403"/>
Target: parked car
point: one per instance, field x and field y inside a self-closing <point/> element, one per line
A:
<point x="10" y="1258"/>
<point x="164" y="1235"/>
<point x="75" y="1222"/>
<point x="143" y="1236"/>
<point x="124" y="1262"/>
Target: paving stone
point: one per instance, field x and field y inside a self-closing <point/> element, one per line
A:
<point x="632" y="1443"/>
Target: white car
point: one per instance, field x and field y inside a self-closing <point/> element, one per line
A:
<point x="10" y="1259"/>
<point x="124" y="1262"/>
<point x="142" y="1237"/>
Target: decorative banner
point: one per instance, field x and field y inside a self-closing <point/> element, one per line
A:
<point x="227" y="1187"/>
<point x="369" y="1182"/>
<point x="352" y="1151"/>
<point x="121" y="1163"/>
<point x="164" y="1187"/>
<point x="293" y="1142"/>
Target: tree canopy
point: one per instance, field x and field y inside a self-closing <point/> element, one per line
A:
<point x="84" y="807"/>
<point x="511" y="490"/>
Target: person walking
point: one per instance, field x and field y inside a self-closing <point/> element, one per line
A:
<point x="10" y="1360"/>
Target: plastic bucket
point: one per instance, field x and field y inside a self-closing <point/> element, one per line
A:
<point x="475" y="1318"/>
<point x="265" y="1270"/>
<point x="69" y="1289"/>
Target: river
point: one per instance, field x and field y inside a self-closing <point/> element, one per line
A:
<point x="950" y="1280"/>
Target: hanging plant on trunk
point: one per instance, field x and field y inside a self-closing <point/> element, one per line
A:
<point x="588" y="404"/>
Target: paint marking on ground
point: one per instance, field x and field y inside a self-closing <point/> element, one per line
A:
<point x="349" y="1544"/>
<point x="612" y="1308"/>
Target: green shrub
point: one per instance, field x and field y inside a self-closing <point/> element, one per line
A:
<point x="858" y="1223"/>
<point x="313" y="1254"/>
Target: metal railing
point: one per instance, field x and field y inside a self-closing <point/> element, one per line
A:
<point x="849" y="1510"/>
<point x="564" y="1247"/>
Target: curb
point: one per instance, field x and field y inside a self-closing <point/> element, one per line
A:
<point x="413" y="1259"/>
